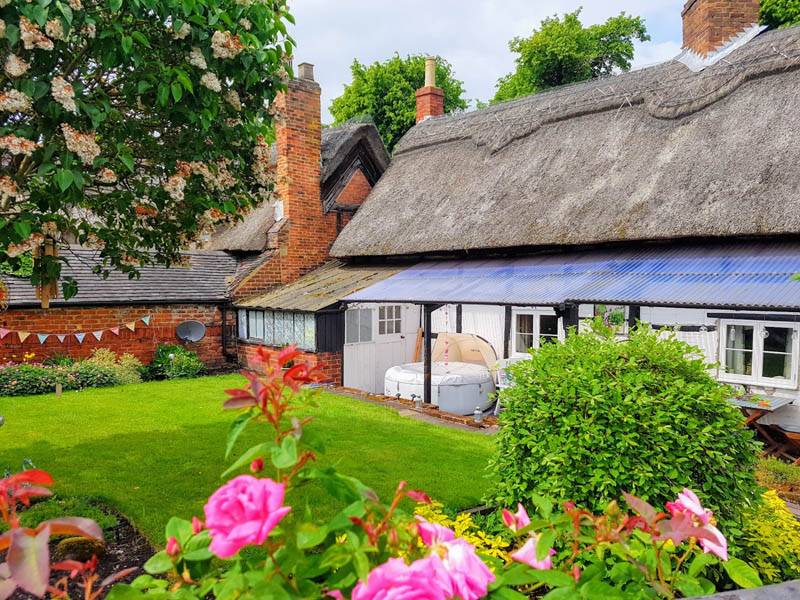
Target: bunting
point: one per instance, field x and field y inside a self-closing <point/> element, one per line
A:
<point x="79" y="335"/>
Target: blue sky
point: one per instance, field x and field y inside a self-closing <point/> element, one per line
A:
<point x="472" y="34"/>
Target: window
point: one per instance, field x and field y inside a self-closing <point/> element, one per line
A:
<point x="759" y="353"/>
<point x="531" y="329"/>
<point x="358" y="325"/>
<point x="277" y="328"/>
<point x="389" y="320"/>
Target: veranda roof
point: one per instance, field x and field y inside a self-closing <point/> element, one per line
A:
<point x="753" y="275"/>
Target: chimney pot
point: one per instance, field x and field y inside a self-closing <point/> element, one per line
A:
<point x="305" y="71"/>
<point x="430" y="72"/>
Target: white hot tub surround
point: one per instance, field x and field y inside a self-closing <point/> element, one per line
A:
<point x="456" y="387"/>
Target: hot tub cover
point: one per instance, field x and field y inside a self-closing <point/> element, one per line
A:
<point x="454" y="373"/>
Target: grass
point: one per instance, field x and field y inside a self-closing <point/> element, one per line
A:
<point x="780" y="476"/>
<point x="154" y="450"/>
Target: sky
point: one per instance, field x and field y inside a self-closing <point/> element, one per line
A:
<point x="472" y="35"/>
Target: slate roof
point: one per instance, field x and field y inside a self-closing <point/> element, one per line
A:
<point x="322" y="287"/>
<point x="662" y="153"/>
<point x="205" y="280"/>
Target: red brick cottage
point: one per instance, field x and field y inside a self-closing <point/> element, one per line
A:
<point x="322" y="175"/>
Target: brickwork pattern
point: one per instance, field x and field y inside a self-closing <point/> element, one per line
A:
<point x="141" y="343"/>
<point x="430" y="102"/>
<point x="356" y="190"/>
<point x="329" y="364"/>
<point x="708" y="24"/>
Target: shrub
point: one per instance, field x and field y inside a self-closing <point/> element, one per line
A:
<point x="771" y="540"/>
<point x="87" y="375"/>
<point x="28" y="380"/>
<point x="59" y="360"/>
<point x="70" y="506"/>
<point x="184" y="363"/>
<point x="464" y="526"/>
<point x="592" y="418"/>
<point x="779" y="476"/>
<point x="126" y="368"/>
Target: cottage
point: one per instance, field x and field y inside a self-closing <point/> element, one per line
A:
<point x="669" y="194"/>
<point x="322" y="175"/>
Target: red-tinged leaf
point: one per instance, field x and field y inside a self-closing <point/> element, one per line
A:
<point x="419" y="496"/>
<point x="5" y="540"/>
<point x="7" y="585"/>
<point x="288" y="354"/>
<point x="114" y="577"/>
<point x="73" y="526"/>
<point x="29" y="560"/>
<point x="24" y="494"/>
<point x="32" y="477"/>
<point x="67" y="565"/>
<point x="238" y="393"/>
<point x="643" y="508"/>
<point x="235" y="403"/>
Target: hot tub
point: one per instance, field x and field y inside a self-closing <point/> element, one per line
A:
<point x="456" y="387"/>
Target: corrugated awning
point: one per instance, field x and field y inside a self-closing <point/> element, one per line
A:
<point x="737" y="275"/>
<point x="321" y="288"/>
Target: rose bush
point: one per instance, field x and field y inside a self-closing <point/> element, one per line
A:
<point x="253" y="545"/>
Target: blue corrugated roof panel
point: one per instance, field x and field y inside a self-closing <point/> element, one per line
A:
<point x="744" y="274"/>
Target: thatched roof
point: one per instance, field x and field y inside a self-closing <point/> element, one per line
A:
<point x="659" y="153"/>
<point x="341" y="147"/>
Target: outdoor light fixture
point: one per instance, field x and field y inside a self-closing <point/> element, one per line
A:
<point x="478" y="415"/>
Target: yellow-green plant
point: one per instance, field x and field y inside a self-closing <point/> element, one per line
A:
<point x="771" y="540"/>
<point x="126" y="367"/>
<point x="465" y="527"/>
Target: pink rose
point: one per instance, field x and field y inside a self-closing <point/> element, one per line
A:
<point x="690" y="520"/>
<point x="469" y="575"/>
<point x="527" y="555"/>
<point x="423" y="579"/>
<point x="242" y="513"/>
<point x="173" y="547"/>
<point x="433" y="534"/>
<point x="688" y="501"/>
<point x="518" y="520"/>
<point x="197" y="525"/>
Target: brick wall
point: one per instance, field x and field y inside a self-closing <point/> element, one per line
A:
<point x="708" y="24"/>
<point x="142" y="342"/>
<point x="430" y="102"/>
<point x="356" y="190"/>
<point x="329" y="363"/>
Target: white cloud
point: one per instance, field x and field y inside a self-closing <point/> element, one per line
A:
<point x="472" y="34"/>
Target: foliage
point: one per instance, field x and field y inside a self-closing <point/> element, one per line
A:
<point x="27" y="552"/>
<point x="28" y="380"/>
<point x="771" y="540"/>
<point x="59" y="360"/>
<point x="64" y="506"/>
<point x="86" y="374"/>
<point x="22" y="268"/>
<point x="782" y="477"/>
<point x="465" y="527"/>
<point x="385" y="91"/>
<point x="108" y="111"/>
<point x="126" y="368"/>
<point x="173" y="361"/>
<point x="563" y="51"/>
<point x="594" y="417"/>
<point x="780" y="13"/>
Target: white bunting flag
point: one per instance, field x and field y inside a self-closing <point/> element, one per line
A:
<point x="79" y="337"/>
<point x="97" y="334"/>
<point x="61" y="337"/>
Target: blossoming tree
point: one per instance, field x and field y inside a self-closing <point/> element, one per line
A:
<point x="131" y="125"/>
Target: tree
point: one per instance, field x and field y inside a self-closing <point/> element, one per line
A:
<point x="780" y="13"/>
<point x="131" y="126"/>
<point x="563" y="51"/>
<point x="385" y="92"/>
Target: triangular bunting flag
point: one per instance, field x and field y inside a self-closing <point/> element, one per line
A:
<point x="97" y="334"/>
<point x="42" y="337"/>
<point x="61" y="337"/>
<point x="79" y="337"/>
<point x="131" y="325"/>
<point x="3" y="332"/>
<point x="23" y="335"/>
<point x="115" y="330"/>
<point x="146" y="320"/>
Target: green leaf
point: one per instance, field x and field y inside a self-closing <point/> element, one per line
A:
<point x="552" y="578"/>
<point x="184" y="80"/>
<point x="361" y="564"/>
<point x="127" y="44"/>
<point x="285" y="455"/>
<point x="114" y="5"/>
<point x="63" y="179"/>
<point x="248" y="457"/>
<point x="237" y="427"/>
<point x="180" y="529"/>
<point x="309" y="535"/>
<point x="197" y="555"/>
<point x="688" y="586"/>
<point x="700" y="562"/>
<point x="69" y="287"/>
<point x="140" y="39"/>
<point x="741" y="573"/>
<point x="507" y="594"/>
<point x="160" y="562"/>
<point x="545" y="543"/>
<point x="22" y="229"/>
<point x="127" y="160"/>
<point x="163" y="94"/>
<point x="177" y="91"/>
<point x="12" y="34"/>
<point x="599" y="590"/>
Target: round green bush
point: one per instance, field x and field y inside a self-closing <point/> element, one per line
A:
<point x="183" y="364"/>
<point x="28" y="380"/>
<point x="780" y="13"/>
<point x="88" y="375"/>
<point x="594" y="417"/>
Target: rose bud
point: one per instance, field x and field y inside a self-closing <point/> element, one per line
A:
<point x="257" y="465"/>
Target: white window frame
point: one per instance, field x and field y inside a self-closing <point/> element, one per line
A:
<point x="396" y="320"/>
<point x="758" y="354"/>
<point x="536" y="313"/>
<point x="367" y="313"/>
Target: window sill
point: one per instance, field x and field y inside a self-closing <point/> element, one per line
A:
<point x="778" y="385"/>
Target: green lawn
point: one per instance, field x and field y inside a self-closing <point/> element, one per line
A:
<point x="156" y="449"/>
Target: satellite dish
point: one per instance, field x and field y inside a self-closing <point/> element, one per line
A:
<point x="191" y="331"/>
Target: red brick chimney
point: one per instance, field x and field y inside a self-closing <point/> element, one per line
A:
<point x="308" y="232"/>
<point x="709" y="24"/>
<point x="430" y="99"/>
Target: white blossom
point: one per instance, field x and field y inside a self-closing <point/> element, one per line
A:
<point x="15" y="66"/>
<point x="210" y="81"/>
<point x="106" y="175"/>
<point x="8" y="188"/>
<point x="82" y="144"/>
<point x="261" y="162"/>
<point x="2" y="28"/>
<point x="4" y="3"/>
<point x="89" y="30"/>
<point x="225" y="45"/>
<point x="75" y="4"/>
<point x="32" y="37"/>
<point x="174" y="186"/>
<point x="54" y="29"/>
<point x="63" y="94"/>
<point x="15" y="101"/>
<point x="18" y="145"/>
<point x="232" y="98"/>
<point x="196" y="59"/>
<point x="245" y="24"/>
<point x="183" y="32"/>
